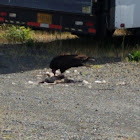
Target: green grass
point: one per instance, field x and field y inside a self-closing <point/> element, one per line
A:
<point x="134" y="56"/>
<point x="17" y="34"/>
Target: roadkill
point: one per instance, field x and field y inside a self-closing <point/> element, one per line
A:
<point x="58" y="79"/>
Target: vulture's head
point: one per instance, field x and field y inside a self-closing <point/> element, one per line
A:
<point x="54" y="71"/>
<point x="53" y="67"/>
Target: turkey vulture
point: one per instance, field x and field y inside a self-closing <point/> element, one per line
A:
<point x="64" y="62"/>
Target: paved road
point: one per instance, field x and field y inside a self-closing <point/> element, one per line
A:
<point x="83" y="110"/>
<point x="103" y="103"/>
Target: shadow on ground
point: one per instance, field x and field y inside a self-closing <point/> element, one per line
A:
<point x="24" y="57"/>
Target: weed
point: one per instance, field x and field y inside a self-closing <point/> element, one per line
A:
<point x="16" y="34"/>
<point x="134" y="56"/>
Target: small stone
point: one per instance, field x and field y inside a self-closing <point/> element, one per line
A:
<point x="100" y="82"/>
<point x="85" y="82"/>
<point x="121" y="83"/>
<point x="30" y="82"/>
<point x="75" y="71"/>
<point x="47" y="72"/>
<point x="67" y="72"/>
<point x="13" y="83"/>
<point x="57" y="72"/>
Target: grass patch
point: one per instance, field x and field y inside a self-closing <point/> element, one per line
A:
<point x="16" y="34"/>
<point x="134" y="56"/>
<point x="21" y="34"/>
<point x="45" y="37"/>
<point x="65" y="43"/>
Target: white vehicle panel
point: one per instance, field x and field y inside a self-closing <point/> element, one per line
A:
<point x="127" y="12"/>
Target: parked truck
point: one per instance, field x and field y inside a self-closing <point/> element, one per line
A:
<point x="81" y="17"/>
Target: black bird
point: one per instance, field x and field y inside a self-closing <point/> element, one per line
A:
<point x="64" y="62"/>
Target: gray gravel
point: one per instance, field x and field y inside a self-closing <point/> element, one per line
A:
<point x="105" y="105"/>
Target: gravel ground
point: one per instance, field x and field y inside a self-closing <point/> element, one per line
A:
<point x="102" y="104"/>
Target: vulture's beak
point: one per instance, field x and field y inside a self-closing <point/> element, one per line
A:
<point x="53" y="71"/>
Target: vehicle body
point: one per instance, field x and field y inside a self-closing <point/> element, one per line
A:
<point x="81" y="17"/>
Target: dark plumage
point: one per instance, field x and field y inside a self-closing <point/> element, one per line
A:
<point x="64" y="62"/>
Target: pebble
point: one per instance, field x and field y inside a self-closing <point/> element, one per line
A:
<point x="121" y="83"/>
<point x="100" y="82"/>
<point x="67" y="72"/>
<point x="75" y="71"/>
<point x="13" y="83"/>
<point x="85" y="82"/>
<point x="57" y="72"/>
<point x="39" y="75"/>
<point x="30" y="82"/>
